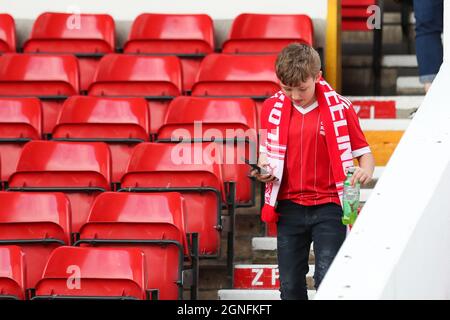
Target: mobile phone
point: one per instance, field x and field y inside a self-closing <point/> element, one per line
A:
<point x="256" y="167"/>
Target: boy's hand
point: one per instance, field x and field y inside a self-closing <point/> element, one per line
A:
<point x="265" y="178"/>
<point x="361" y="175"/>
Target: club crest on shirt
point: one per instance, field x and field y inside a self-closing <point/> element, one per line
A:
<point x="322" y="129"/>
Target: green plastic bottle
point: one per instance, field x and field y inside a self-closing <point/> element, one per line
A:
<point x="350" y="199"/>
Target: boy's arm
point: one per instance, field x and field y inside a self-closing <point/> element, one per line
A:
<point x="361" y="150"/>
<point x="364" y="172"/>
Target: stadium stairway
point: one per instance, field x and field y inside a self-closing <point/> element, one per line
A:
<point x="383" y="118"/>
<point x="399" y="72"/>
<point x="255" y="265"/>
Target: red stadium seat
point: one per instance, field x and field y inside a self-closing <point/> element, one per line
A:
<point x="7" y="33"/>
<point x="226" y="75"/>
<point x="93" y="273"/>
<point x="38" y="223"/>
<point x="20" y="122"/>
<point x="233" y="125"/>
<point x="354" y="14"/>
<point x="189" y="36"/>
<point x="81" y="170"/>
<point x="88" y="36"/>
<point x="12" y="273"/>
<point x="158" y="79"/>
<point x="120" y="122"/>
<point x="52" y="78"/>
<point x="152" y="222"/>
<point x="190" y="170"/>
<point x="268" y="33"/>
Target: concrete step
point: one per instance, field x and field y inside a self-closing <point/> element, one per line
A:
<point x="409" y="85"/>
<point x="407" y="46"/>
<point x="238" y="294"/>
<point x="268" y="244"/>
<point x="213" y="277"/>
<point x="378" y="172"/>
<point x="263" y="276"/>
<point x="396" y="18"/>
<point x="265" y="243"/>
<point x="392" y="34"/>
<point x="264" y="251"/>
<point x="399" y="61"/>
<point x="359" y="81"/>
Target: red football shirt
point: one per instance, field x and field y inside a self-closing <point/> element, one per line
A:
<point x="307" y="174"/>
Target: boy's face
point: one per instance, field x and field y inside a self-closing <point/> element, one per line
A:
<point x="303" y="94"/>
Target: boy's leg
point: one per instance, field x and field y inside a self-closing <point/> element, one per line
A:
<point x="328" y="234"/>
<point x="429" y="26"/>
<point x="293" y="245"/>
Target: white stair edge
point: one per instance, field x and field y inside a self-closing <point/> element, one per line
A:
<point x="395" y="18"/>
<point x="408" y="83"/>
<point x="399" y="61"/>
<point x="254" y="294"/>
<point x="378" y="172"/>
<point x="264" y="243"/>
<point x="401" y="102"/>
<point x="270" y="266"/>
<point x="365" y="194"/>
<point x="384" y="124"/>
<point x="268" y="243"/>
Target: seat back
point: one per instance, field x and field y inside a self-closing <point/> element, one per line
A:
<point x="96" y="272"/>
<point x="119" y="122"/>
<point x="12" y="273"/>
<point x="231" y="122"/>
<point x="268" y="33"/>
<point x="38" y="74"/>
<point x="7" y="33"/>
<point x="226" y="75"/>
<point x="158" y="79"/>
<point x="355" y="14"/>
<point x="235" y="75"/>
<point x="171" y="33"/>
<point x="153" y="222"/>
<point x="50" y="77"/>
<point x="189" y="36"/>
<point x="88" y="36"/>
<point x="189" y="169"/>
<point x="20" y="121"/>
<point x="38" y="223"/>
<point x="80" y="170"/>
<point x="70" y="33"/>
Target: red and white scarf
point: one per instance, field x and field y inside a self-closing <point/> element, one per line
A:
<point x="332" y="113"/>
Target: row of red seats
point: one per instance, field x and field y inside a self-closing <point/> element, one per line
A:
<point x="123" y="123"/>
<point x="189" y="36"/>
<point x="81" y="170"/>
<point x="53" y="78"/>
<point x="143" y="239"/>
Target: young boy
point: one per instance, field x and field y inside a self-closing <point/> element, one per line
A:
<point x="312" y="134"/>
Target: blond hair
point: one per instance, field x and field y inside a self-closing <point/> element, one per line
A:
<point x="296" y="63"/>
